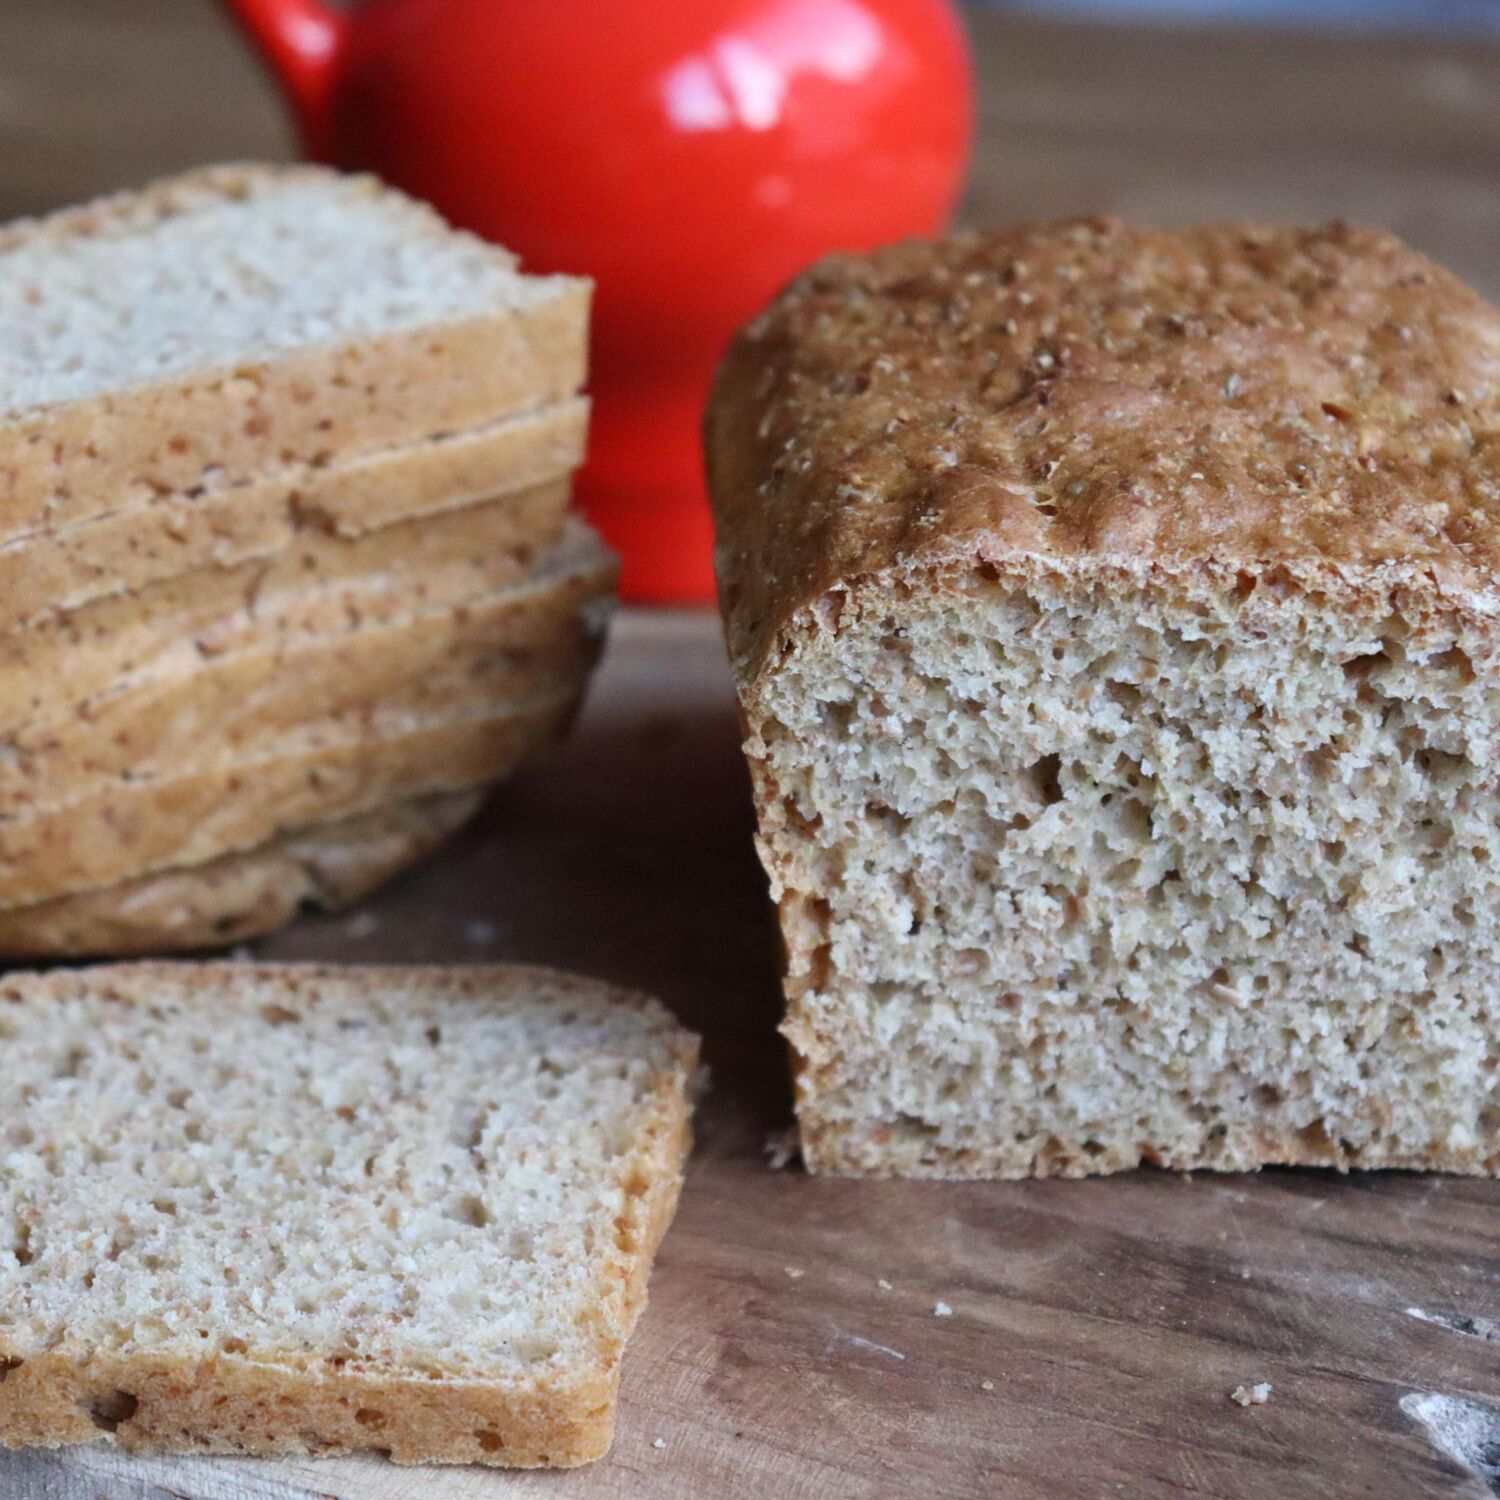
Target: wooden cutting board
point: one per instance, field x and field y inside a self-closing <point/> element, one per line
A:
<point x="793" y="1346"/>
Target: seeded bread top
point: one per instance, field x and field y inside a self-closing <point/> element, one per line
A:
<point x="230" y="266"/>
<point x="1088" y="392"/>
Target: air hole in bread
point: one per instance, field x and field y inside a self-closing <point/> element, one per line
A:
<point x="1045" y="775"/>
<point x="109" y="1409"/>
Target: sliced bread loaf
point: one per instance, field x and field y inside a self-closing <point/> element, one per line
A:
<point x="1116" y="617"/>
<point x="226" y="323"/>
<point x="322" y="584"/>
<point x="411" y="1210"/>
<point x="239" y="897"/>
<point x="51" y="571"/>
<point x="502" y="647"/>
<point x="332" y="768"/>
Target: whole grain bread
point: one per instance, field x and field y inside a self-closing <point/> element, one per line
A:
<point x="220" y="325"/>
<point x="333" y="768"/>
<point x="320" y="585"/>
<point x="1114" y="620"/>
<point x="449" y="1189"/>
<point x="220" y="525"/>
<point x="503" y="646"/>
<point x="237" y="898"/>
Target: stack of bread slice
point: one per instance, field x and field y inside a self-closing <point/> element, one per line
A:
<point x="287" y="575"/>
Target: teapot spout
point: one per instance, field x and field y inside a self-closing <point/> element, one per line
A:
<point x="300" y="41"/>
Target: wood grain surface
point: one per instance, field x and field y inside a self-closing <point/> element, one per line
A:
<point x="792" y="1347"/>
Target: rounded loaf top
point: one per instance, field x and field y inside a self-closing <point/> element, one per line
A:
<point x="1092" y="392"/>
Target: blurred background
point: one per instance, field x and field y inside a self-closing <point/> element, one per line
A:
<point x="1387" y="110"/>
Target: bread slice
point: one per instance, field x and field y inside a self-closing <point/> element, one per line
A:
<point x="1114" y="614"/>
<point x="239" y="897"/>
<point x="411" y="1210"/>
<point x="55" y="570"/>
<point x="501" y="647"/>
<point x="321" y="585"/>
<point x="330" y="769"/>
<point x="226" y="323"/>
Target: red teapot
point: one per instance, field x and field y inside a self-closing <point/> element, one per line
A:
<point x="690" y="155"/>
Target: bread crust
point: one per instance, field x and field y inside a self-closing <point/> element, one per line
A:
<point x="501" y="645"/>
<point x="238" y="1403"/>
<point x="1227" y="399"/>
<point x="344" y="397"/>
<point x="231" y="1404"/>
<point x="44" y="573"/>
<point x="239" y="897"/>
<point x="332" y="770"/>
<point x="323" y="583"/>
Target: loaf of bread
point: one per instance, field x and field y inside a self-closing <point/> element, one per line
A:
<point x="60" y="569"/>
<point x="238" y="897"/>
<point x="227" y="323"/>
<point x="1114" y="620"/>
<point x="411" y="1210"/>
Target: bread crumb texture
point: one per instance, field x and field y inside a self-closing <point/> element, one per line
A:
<point x="1114" y="620"/>
<point x="1251" y="1395"/>
<point x="295" y="1210"/>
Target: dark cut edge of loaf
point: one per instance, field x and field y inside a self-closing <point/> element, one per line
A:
<point x="242" y="896"/>
<point x="161" y="1404"/>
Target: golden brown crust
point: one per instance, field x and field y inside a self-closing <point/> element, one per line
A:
<point x="230" y="1404"/>
<point x="127" y="549"/>
<point x="499" y="646"/>
<point x="239" y="897"/>
<point x="1088" y="394"/>
<point x="348" y="769"/>
<point x="1249" y="1147"/>
<point x="321" y="584"/>
<point x="253" y="419"/>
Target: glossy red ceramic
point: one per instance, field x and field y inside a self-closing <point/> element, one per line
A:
<point x="690" y="155"/>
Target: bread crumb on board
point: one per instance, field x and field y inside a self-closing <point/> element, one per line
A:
<point x="883" y="1284"/>
<point x="658" y="1442"/>
<point x="782" y="1147"/>
<point x="986" y="1385"/>
<point x="941" y="1310"/>
<point x="794" y="1273"/>
<point x="1251" y="1395"/>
